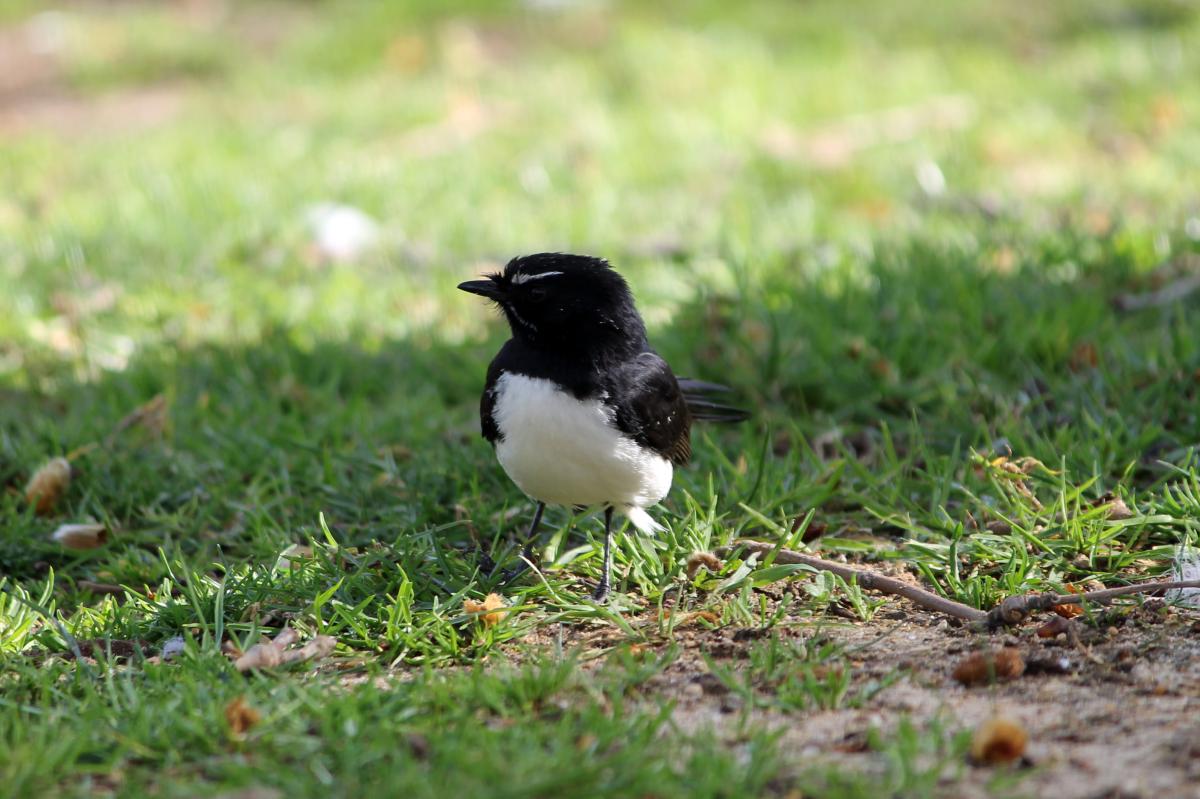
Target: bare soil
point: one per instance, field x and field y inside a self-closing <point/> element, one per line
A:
<point x="37" y="95"/>
<point x="1115" y="714"/>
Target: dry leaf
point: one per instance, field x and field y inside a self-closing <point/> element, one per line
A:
<point x="81" y="536"/>
<point x="150" y="415"/>
<point x="1068" y="611"/>
<point x="260" y="656"/>
<point x="290" y="557"/>
<point x="1084" y="356"/>
<point x="241" y="716"/>
<point x="1057" y="626"/>
<point x="1023" y="465"/>
<point x="984" y="667"/>
<point x="488" y="610"/>
<point x="811" y="533"/>
<point x="1118" y="510"/>
<point x="705" y="560"/>
<point x="883" y="369"/>
<point x="48" y="484"/>
<point x="318" y="647"/>
<point x="269" y="654"/>
<point x="997" y="741"/>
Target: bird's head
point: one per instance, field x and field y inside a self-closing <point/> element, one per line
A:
<point x="563" y="302"/>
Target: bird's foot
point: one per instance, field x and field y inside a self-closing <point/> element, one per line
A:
<point x="600" y="594"/>
<point x="484" y="562"/>
<point x="528" y="559"/>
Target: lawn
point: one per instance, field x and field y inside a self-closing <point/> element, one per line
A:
<point x="944" y="255"/>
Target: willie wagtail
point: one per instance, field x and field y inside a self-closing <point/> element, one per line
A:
<point x="579" y="408"/>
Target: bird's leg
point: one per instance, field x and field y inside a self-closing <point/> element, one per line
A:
<point x="527" y="550"/>
<point x="483" y="555"/>
<point x="601" y="592"/>
<point x="531" y="536"/>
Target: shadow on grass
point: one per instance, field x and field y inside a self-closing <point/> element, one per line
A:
<point x="923" y="345"/>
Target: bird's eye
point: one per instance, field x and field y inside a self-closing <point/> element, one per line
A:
<point x="537" y="293"/>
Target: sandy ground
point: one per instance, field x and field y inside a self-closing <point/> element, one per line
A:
<point x="1115" y="715"/>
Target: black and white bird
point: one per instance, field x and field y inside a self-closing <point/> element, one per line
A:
<point x="579" y="408"/>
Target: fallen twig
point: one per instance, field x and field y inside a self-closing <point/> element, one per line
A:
<point x="867" y="579"/>
<point x="1008" y="613"/>
<point x="1015" y="609"/>
<point x="1174" y="291"/>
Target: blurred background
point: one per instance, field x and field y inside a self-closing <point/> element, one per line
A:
<point x="206" y="169"/>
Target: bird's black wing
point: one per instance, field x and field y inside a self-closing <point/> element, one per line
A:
<point x="487" y="403"/>
<point x="651" y="408"/>
<point x="697" y="394"/>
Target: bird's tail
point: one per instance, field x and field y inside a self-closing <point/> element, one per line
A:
<point x="696" y="393"/>
<point x="643" y="521"/>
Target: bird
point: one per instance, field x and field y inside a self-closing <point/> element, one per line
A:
<point x="579" y="408"/>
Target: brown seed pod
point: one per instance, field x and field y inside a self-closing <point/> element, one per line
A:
<point x="984" y="667"/>
<point x="998" y="741"/>
<point x="48" y="484"/>
<point x="81" y="536"/>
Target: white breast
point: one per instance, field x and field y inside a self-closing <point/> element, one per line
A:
<point x="566" y="451"/>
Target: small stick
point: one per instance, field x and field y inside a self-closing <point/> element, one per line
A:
<point x="869" y="579"/>
<point x="1010" y="612"/>
<point x="1015" y="609"/>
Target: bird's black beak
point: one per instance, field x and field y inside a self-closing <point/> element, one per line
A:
<point x="484" y="288"/>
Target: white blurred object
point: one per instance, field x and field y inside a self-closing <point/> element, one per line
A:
<point x="1192" y="228"/>
<point x="46" y="32"/>
<point x="930" y="178"/>
<point x="1185" y="567"/>
<point x="341" y="232"/>
<point x="534" y="178"/>
<point x="172" y="648"/>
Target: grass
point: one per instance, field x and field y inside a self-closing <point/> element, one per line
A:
<point x="898" y="313"/>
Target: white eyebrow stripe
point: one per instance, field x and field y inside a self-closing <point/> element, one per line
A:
<point x="521" y="277"/>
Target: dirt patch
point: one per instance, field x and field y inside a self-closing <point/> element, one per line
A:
<point x="1115" y="715"/>
<point x="64" y="113"/>
<point x="37" y="97"/>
